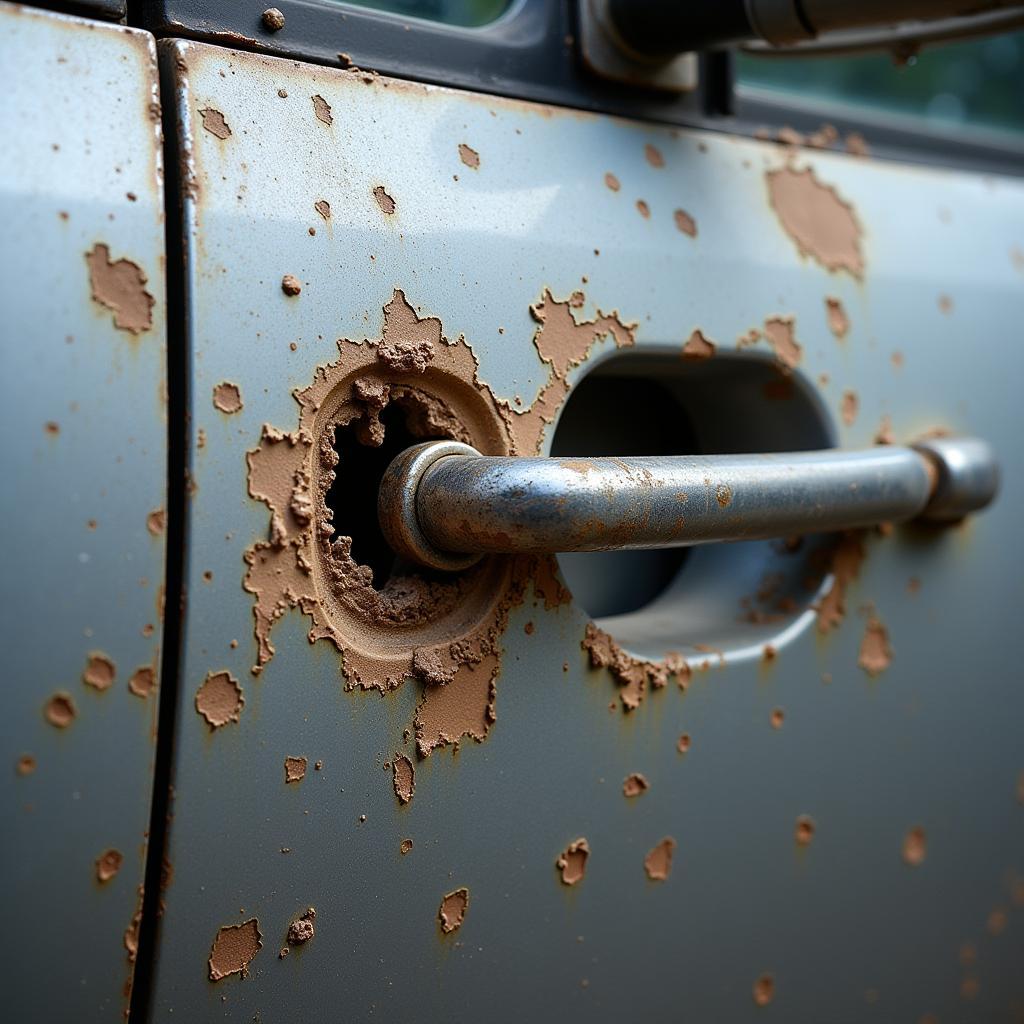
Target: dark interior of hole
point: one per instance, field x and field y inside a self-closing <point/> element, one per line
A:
<point x="622" y="416"/>
<point x="353" y="495"/>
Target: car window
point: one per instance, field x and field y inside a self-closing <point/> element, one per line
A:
<point x="466" y="13"/>
<point x="974" y="82"/>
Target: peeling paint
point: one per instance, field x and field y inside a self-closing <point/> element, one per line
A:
<point x="403" y="777"/>
<point x="915" y="846"/>
<point x="875" y="653"/>
<point x="60" y="710"/>
<point x="469" y="156"/>
<point x="234" y="947"/>
<point x="214" y="123"/>
<point x="220" y="700"/>
<point x="322" y="110"/>
<point x="100" y="671"/>
<point x="612" y="182"/>
<point x="685" y="223"/>
<point x="653" y="156"/>
<point x="384" y="201"/>
<point x="227" y="397"/>
<point x="643" y="209"/>
<point x="452" y="911"/>
<point x="633" y="675"/>
<point x="120" y="287"/>
<point x="301" y="929"/>
<point x="781" y="334"/>
<point x="698" y="347"/>
<point x="108" y="864"/>
<point x="142" y="681"/>
<point x="634" y="785"/>
<point x="572" y="861"/>
<point x="323" y="208"/>
<point x="294" y="769"/>
<point x="835" y="314"/>
<point x="848" y="407"/>
<point x="658" y="862"/>
<point x="846" y="563"/>
<point x="130" y="938"/>
<point x="156" y="522"/>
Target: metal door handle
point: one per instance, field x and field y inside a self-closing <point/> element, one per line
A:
<point x="444" y="505"/>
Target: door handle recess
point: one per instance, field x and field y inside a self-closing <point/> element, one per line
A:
<point x="442" y="504"/>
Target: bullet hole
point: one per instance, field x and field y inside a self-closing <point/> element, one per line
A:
<point x="612" y="182"/>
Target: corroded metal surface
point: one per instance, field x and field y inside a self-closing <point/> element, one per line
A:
<point x="82" y="501"/>
<point x="830" y="813"/>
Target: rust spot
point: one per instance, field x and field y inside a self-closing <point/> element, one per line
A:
<point x="633" y="675"/>
<point x="52" y="427"/>
<point x="469" y="156"/>
<point x="108" y="864"/>
<point x="698" y="347"/>
<point x="643" y="209"/>
<point x="120" y="287"/>
<point x="301" y="929"/>
<point x="875" y="653"/>
<point x="835" y="314"/>
<point x="290" y="284"/>
<point x="612" y="182"/>
<point x="723" y="495"/>
<point x="820" y="223"/>
<point x="945" y="304"/>
<point x="658" y="862"/>
<point x="99" y="671"/>
<point x="915" y="846"/>
<point x="778" y="716"/>
<point x="572" y="861"/>
<point x="131" y="933"/>
<point x="403" y="778"/>
<point x="322" y="109"/>
<point x="635" y="784"/>
<point x="156" y="521"/>
<point x="60" y="710"/>
<point x="764" y="990"/>
<point x="846" y="563"/>
<point x="234" y="947"/>
<point x="997" y="921"/>
<point x="324" y="209"/>
<point x="214" y="123"/>
<point x="294" y="769"/>
<point x="25" y="765"/>
<point x="220" y="700"/>
<point x="804" y="831"/>
<point x="969" y="988"/>
<point x="683" y="743"/>
<point x="685" y="223"/>
<point x="781" y="334"/>
<point x="405" y="846"/>
<point x="384" y="201"/>
<point x="273" y="19"/>
<point x="653" y="156"/>
<point x="848" y="407"/>
<point x="142" y="681"/>
<point x="227" y="397"/>
<point x="452" y="911"/>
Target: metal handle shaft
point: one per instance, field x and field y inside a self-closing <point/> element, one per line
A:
<point x="443" y="504"/>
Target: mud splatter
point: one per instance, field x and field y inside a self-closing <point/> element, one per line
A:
<point x="685" y="223"/>
<point x="658" y="862"/>
<point x="323" y="208"/>
<point x="572" y="861"/>
<point x="405" y="847"/>
<point x="653" y="156"/>
<point x="764" y="990"/>
<point x="384" y="201"/>
<point x="291" y="285"/>
<point x="846" y="563"/>
<point x="227" y="397"/>
<point x="234" y="947"/>
<point x="612" y="182"/>
<point x="100" y="671"/>
<point x="25" y="765"/>
<point x="142" y="681"/>
<point x="804" y="831"/>
<point x="698" y="347"/>
<point x="403" y="778"/>
<point x="294" y="769"/>
<point x="220" y="700"/>
<point x="301" y="929"/>
<point x="452" y="911"/>
<point x="875" y="654"/>
<point x="635" y="784"/>
<point x="214" y="123"/>
<point x="820" y="223"/>
<point x="781" y="334"/>
<point x="848" y="407"/>
<point x="469" y="156"/>
<point x="915" y="846"/>
<point x="108" y="864"/>
<point x="120" y="287"/>
<point x="60" y="710"/>
<point x="322" y="109"/>
<point x="835" y="314"/>
<point x="156" y="522"/>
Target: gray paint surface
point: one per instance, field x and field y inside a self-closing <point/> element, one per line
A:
<point x="81" y="130"/>
<point x="848" y="930"/>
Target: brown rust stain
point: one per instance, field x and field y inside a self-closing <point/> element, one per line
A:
<point x="723" y="495"/>
<point x="653" y="156"/>
<point x="384" y="201"/>
<point x="572" y="861"/>
<point x="764" y="990"/>
<point x="835" y="314"/>
<point x="469" y="156"/>
<point x="301" y="930"/>
<point x="322" y="109"/>
<point x="403" y="778"/>
<point x="634" y="676"/>
<point x="698" y="346"/>
<point x="846" y="563"/>
<point x="635" y="784"/>
<point x="214" y="123"/>
<point x="405" y="846"/>
<point x="142" y="681"/>
<point x="100" y="671"/>
<point x="612" y="182"/>
<point x="685" y="223"/>
<point x="915" y="846"/>
<point x="658" y="862"/>
<point x="820" y="223"/>
<point x="643" y="209"/>
<point x="156" y="521"/>
<point x="452" y="911"/>
<point x="803" y="833"/>
<point x="130" y="939"/>
<point x="108" y="864"/>
<point x="323" y="208"/>
<point x="120" y="287"/>
<point x="781" y="334"/>
<point x="294" y="768"/>
<point x="683" y="743"/>
<point x="778" y="716"/>
<point x="875" y="653"/>
<point x="219" y="699"/>
<point x="848" y="407"/>
<point x="227" y="398"/>
<point x="25" y="765"/>
<point x="60" y="710"/>
<point x="233" y="949"/>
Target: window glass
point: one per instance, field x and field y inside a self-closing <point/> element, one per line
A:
<point x="466" y="13"/>
<point x="980" y="81"/>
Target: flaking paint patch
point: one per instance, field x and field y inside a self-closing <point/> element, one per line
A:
<point x="683" y="743"/>
<point x="130" y="939"/>
<point x="120" y="287"/>
<point x="764" y="990"/>
<point x="403" y="777"/>
<point x="653" y="156"/>
<point x="294" y="769"/>
<point x="848" y="407"/>
<point x="214" y="123"/>
<point x="322" y="110"/>
<point x="635" y="783"/>
<point x="100" y="671"/>
<point x="821" y="224"/>
<point x="142" y="681"/>
<point x="633" y="675"/>
<point x="875" y="653"/>
<point x="452" y="911"/>
<point x="323" y="208"/>
<point x="405" y="846"/>
<point x="156" y="522"/>
<point x="781" y="334"/>
<point x="835" y="315"/>
<point x="301" y="930"/>
<point x="685" y="223"/>
<point x="108" y="864"/>
<point x="220" y="699"/>
<point x="572" y="861"/>
<point x="658" y="862"/>
<point x="846" y="563"/>
<point x="233" y="949"/>
<point x="915" y="846"/>
<point x="384" y="201"/>
<point x="60" y="710"/>
<point x="227" y="398"/>
<point x="612" y="182"/>
<point x="469" y="156"/>
<point x="698" y="347"/>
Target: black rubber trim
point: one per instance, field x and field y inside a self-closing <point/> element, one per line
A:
<point x="108" y="10"/>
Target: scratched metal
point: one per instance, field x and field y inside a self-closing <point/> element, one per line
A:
<point x="81" y="165"/>
<point x="847" y="929"/>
